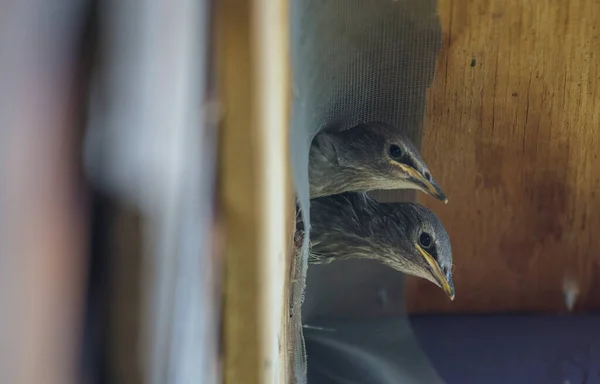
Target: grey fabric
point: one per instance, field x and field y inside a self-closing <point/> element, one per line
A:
<point x="357" y="61"/>
<point x="516" y="349"/>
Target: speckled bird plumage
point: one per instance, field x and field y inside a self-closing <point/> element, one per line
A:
<point x="358" y="159"/>
<point x="354" y="225"/>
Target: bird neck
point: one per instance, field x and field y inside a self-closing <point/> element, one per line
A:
<point x="366" y="250"/>
<point x="355" y="226"/>
<point x="327" y="176"/>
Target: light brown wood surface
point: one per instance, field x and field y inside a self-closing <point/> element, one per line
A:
<point x="512" y="132"/>
<point x="254" y="187"/>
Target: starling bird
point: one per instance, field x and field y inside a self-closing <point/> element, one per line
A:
<point x="367" y="157"/>
<point x="404" y="236"/>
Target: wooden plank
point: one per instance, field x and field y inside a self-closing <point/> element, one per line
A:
<point x="511" y="133"/>
<point x="254" y="186"/>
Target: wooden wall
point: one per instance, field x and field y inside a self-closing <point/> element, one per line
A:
<point x="512" y="133"/>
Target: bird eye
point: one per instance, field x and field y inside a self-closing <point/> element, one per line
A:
<point x="395" y="152"/>
<point x="427" y="175"/>
<point x="425" y="240"/>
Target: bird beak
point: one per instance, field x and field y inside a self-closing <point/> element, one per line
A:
<point x="429" y="187"/>
<point x="444" y="282"/>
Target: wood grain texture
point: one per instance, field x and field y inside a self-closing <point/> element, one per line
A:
<point x="511" y="133"/>
<point x="238" y="203"/>
<point x="256" y="199"/>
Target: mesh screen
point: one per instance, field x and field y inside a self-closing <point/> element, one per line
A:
<point x="357" y="61"/>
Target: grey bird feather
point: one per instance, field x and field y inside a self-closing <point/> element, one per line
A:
<point x="404" y="236"/>
<point x="367" y="157"/>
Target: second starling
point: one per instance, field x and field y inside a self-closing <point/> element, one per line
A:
<point x="404" y="236"/>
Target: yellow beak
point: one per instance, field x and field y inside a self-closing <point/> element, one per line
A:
<point x="430" y="187"/>
<point x="442" y="281"/>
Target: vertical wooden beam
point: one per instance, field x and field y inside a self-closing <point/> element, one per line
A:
<point x="254" y="185"/>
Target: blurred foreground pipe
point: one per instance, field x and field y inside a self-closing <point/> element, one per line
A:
<point x="151" y="147"/>
<point x="42" y="210"/>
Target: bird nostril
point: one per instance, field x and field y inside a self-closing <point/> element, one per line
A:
<point x="427" y="175"/>
<point x="446" y="271"/>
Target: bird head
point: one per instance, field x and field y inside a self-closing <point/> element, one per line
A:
<point x="404" y="236"/>
<point x="386" y="159"/>
<point x="421" y="245"/>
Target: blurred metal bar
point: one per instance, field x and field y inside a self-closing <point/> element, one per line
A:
<point x="254" y="187"/>
<point x="151" y="144"/>
<point x="42" y="204"/>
